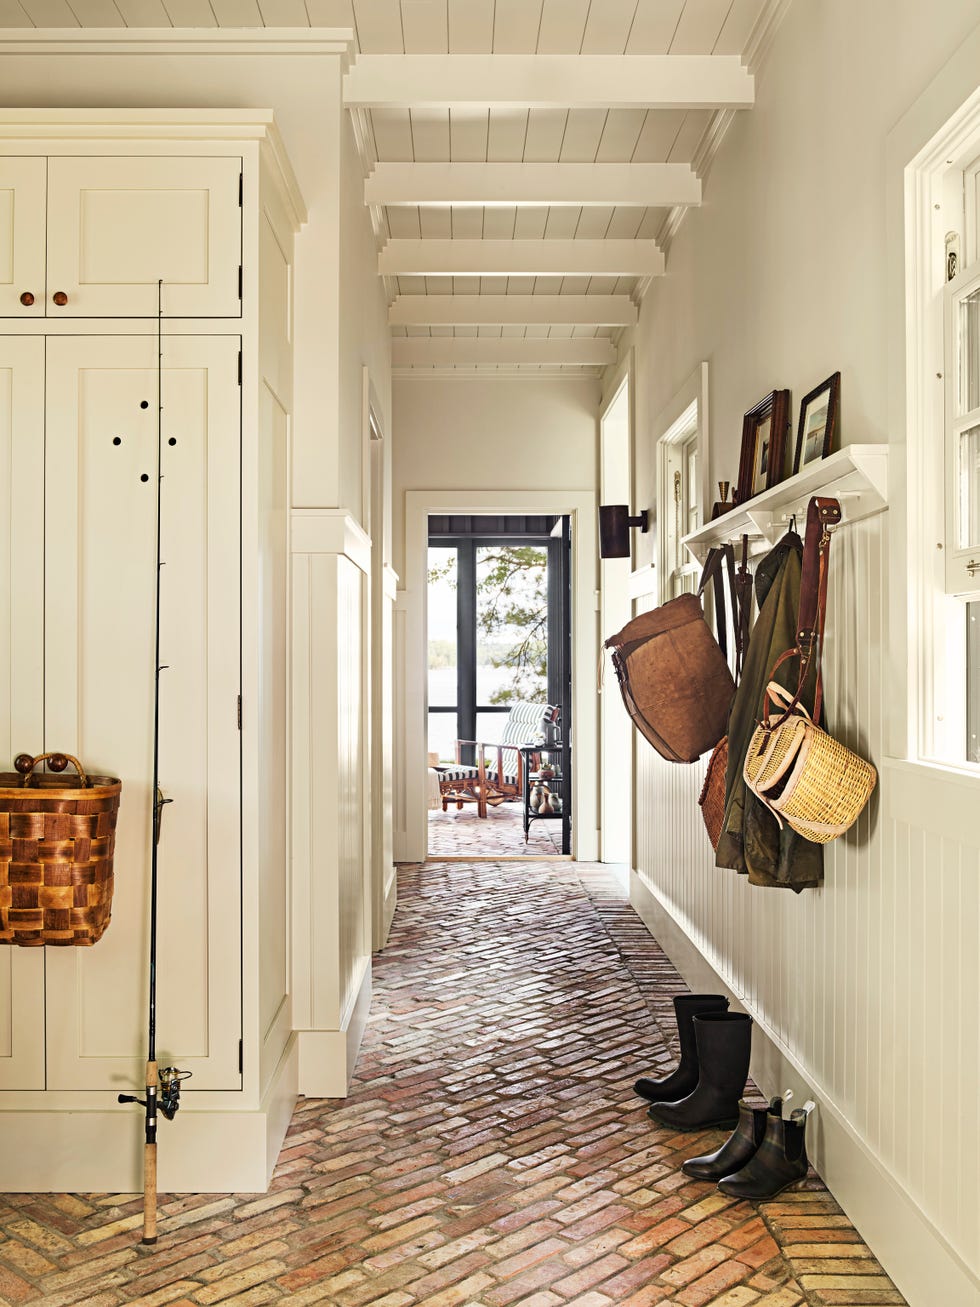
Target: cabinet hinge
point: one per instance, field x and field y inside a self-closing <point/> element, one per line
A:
<point x="241" y="188"/>
<point x="241" y="1057"/>
<point x="239" y="367"/>
<point x="239" y="712"/>
<point x="240" y="281"/>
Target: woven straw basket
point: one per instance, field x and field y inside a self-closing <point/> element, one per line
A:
<point x="805" y="776"/>
<point x="57" y="836"/>
<point x="712" y="797"/>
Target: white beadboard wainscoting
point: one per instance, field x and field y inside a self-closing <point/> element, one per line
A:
<point x="866" y="993"/>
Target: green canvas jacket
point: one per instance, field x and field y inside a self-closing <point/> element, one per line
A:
<point x="751" y="841"/>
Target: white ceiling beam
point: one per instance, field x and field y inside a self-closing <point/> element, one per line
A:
<point x="541" y="81"/>
<point x="505" y="310"/>
<point x="498" y="258"/>
<point x="487" y="185"/>
<point x="470" y="351"/>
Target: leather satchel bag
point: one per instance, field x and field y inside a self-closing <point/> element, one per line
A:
<point x="803" y="775"/>
<point x="674" y="675"/>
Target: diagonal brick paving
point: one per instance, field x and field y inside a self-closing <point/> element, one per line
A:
<point x="491" y="1151"/>
<point x="460" y="833"/>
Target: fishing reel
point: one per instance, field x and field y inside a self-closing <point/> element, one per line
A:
<point x="168" y="1091"/>
<point x="168" y="1099"/>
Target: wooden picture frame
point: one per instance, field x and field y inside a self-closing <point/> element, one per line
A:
<point x="762" y="462"/>
<point x="819" y="420"/>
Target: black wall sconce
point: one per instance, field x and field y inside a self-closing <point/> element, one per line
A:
<point x="614" y="529"/>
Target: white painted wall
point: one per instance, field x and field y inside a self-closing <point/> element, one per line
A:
<point x="867" y="988"/>
<point x="472" y="433"/>
<point x="490" y="445"/>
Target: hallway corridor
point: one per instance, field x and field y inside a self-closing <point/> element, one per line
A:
<point x="491" y="1152"/>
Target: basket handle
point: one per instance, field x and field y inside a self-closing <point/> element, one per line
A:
<point x="25" y="764"/>
<point x="774" y="693"/>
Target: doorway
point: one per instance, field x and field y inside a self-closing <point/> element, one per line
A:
<point x="499" y="680"/>
<point x="411" y="653"/>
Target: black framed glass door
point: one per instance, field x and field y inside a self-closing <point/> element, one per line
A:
<point x="496" y="621"/>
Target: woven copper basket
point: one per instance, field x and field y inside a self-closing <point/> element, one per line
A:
<point x="57" y="837"/>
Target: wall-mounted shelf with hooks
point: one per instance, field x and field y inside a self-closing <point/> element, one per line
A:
<point x="856" y="475"/>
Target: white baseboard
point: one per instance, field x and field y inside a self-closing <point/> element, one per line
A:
<point x="327" y="1057"/>
<point x="910" y="1248"/>
<point x="224" y="1151"/>
<point x="389" y="903"/>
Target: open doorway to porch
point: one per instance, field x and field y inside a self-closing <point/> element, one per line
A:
<point x="499" y="686"/>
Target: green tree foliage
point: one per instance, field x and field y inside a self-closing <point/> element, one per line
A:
<point x="512" y="615"/>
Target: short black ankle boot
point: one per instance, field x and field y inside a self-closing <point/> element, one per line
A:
<point x="682" y="1081"/>
<point x="740" y="1145"/>
<point x="780" y="1161"/>
<point x="724" y="1043"/>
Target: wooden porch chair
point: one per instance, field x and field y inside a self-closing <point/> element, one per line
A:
<point x="497" y="774"/>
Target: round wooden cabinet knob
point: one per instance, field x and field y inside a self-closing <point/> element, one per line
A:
<point x="27" y="299"/>
<point x="60" y="298"/>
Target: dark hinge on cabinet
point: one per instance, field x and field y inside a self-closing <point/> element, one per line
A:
<point x="241" y="188"/>
<point x="239" y="367"/>
<point x="239" y="712"/>
<point x="239" y="281"/>
<point x="241" y="1058"/>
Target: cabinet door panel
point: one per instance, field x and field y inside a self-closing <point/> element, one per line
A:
<point x="22" y="205"/>
<point x="117" y="226"/>
<point x="99" y="693"/>
<point x="21" y="666"/>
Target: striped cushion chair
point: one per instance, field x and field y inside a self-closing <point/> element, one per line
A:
<point x="498" y="773"/>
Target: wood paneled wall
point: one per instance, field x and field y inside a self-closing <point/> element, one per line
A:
<point x="871" y="983"/>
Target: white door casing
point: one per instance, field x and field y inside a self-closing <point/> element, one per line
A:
<point x="99" y="599"/>
<point x="616" y="730"/>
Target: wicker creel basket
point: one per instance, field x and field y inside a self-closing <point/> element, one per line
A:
<point x="803" y="775"/>
<point x="57" y="837"/>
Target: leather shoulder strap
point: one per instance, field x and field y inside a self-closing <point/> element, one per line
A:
<point x="722" y="555"/>
<point x="821" y="518"/>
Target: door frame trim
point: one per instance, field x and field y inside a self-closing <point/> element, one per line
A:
<point x="410" y="810"/>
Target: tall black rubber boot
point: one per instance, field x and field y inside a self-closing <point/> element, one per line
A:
<point x="724" y="1043"/>
<point x="742" y="1144"/>
<point x="682" y="1081"/>
<point x="779" y="1162"/>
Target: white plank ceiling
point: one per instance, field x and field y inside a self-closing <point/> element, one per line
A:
<point x="473" y="204"/>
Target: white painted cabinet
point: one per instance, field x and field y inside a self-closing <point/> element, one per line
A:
<point x="90" y="236"/>
<point x="102" y="219"/>
<point x="98" y="675"/>
<point x="21" y="665"/>
<point x="23" y="206"/>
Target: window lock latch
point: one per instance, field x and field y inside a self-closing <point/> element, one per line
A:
<point x="973" y="567"/>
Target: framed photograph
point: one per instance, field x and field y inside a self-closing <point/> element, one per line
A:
<point x="819" y="416"/>
<point x="762" y="462"/>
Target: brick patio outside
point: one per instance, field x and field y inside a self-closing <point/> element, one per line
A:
<point x="491" y="1151"/>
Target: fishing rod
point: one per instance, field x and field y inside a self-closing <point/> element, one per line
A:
<point x="162" y="1084"/>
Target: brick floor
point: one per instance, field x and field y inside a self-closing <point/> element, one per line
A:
<point x="460" y="833"/>
<point x="491" y="1151"/>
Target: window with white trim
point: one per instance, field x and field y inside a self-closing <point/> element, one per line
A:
<point x="681" y="466"/>
<point x="943" y="287"/>
<point x="679" y="511"/>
